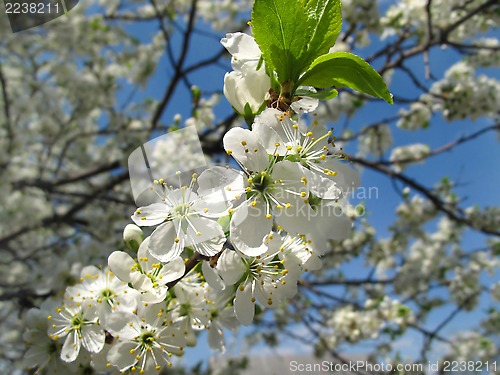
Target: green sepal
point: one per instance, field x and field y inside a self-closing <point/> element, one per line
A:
<point x="132" y="245"/>
<point x="248" y="115"/>
<point x="259" y="64"/>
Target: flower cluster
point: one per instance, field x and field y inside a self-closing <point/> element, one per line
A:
<point x="416" y="117"/>
<point x="220" y="245"/>
<point x="412" y="15"/>
<point x="224" y="250"/>
<point x="462" y="94"/>
<point x="365" y="13"/>
<point x="351" y="325"/>
<point x="345" y="104"/>
<point x="404" y="155"/>
<point x="376" y="140"/>
<point x="471" y="346"/>
<point x="487" y="53"/>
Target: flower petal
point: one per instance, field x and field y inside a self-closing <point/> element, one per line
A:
<point x="241" y="46"/>
<point x="165" y="245"/>
<point x="321" y="186"/>
<point x="35" y="357"/>
<point x="213" y="205"/>
<point x="346" y="178"/>
<point x="146" y="261"/>
<point x="291" y="174"/>
<point x="216" y="338"/>
<point x="332" y="221"/>
<point x="220" y="184"/>
<point x="249" y="228"/>
<point x="313" y="264"/>
<point x="275" y="120"/>
<point x="172" y="271"/>
<point x="244" y="308"/>
<point x="296" y="218"/>
<point x="205" y="235"/>
<point x="249" y="88"/>
<point x="120" y="263"/>
<point x="151" y="215"/>
<point x="120" y="355"/>
<point x="118" y="324"/>
<point x="305" y="104"/>
<point x="155" y="295"/>
<point x="212" y="277"/>
<point x="71" y="347"/>
<point x="230" y="267"/>
<point x="270" y="132"/>
<point x="93" y="338"/>
<point x="141" y="282"/>
<point x="89" y="271"/>
<point x="246" y="148"/>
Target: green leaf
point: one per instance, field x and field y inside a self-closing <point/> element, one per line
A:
<point x="343" y="69"/>
<point x="321" y="94"/>
<point x="280" y="28"/>
<point x="325" y="20"/>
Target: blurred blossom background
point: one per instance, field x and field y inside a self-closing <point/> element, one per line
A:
<point x="416" y="281"/>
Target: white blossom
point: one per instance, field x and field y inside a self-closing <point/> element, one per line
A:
<point x="146" y="340"/>
<point x="416" y="117"/>
<point x="247" y="90"/>
<point x="184" y="219"/>
<point x="78" y="324"/>
<point x="102" y="288"/>
<point x="269" y="278"/>
<point x="247" y="86"/>
<point x="404" y="155"/>
<point x="376" y="140"/>
<point x="43" y="352"/>
<point x="146" y="275"/>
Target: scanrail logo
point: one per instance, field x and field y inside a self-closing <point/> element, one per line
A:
<point x="25" y="14"/>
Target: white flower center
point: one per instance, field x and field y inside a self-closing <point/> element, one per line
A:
<point x="182" y="210"/>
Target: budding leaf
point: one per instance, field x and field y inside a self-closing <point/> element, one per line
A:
<point x="325" y="22"/>
<point x="343" y="69"/>
<point x="280" y="28"/>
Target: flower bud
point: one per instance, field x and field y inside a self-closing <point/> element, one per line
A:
<point x="247" y="90"/>
<point x="133" y="237"/>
